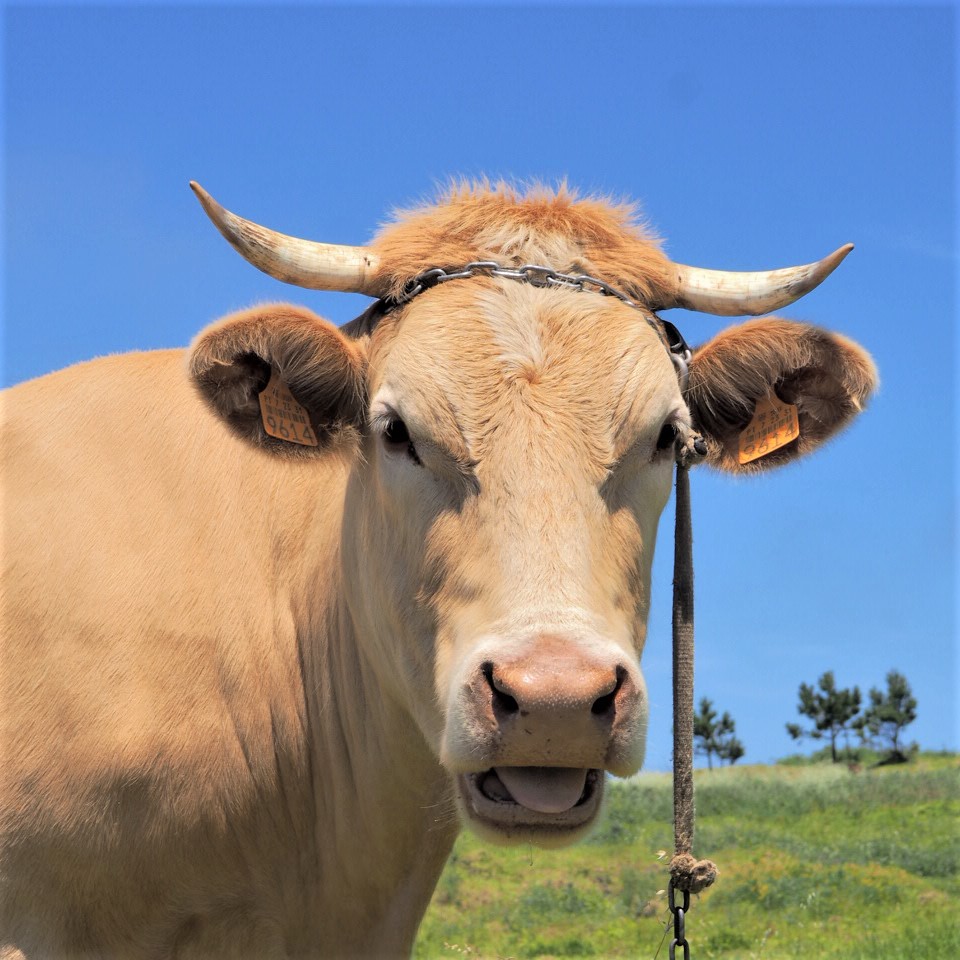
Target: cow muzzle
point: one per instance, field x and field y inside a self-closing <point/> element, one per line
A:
<point x="532" y="731"/>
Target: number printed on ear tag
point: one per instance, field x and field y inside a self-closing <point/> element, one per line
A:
<point x="773" y="426"/>
<point x="282" y="416"/>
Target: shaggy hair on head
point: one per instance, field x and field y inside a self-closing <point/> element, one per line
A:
<point x="544" y="226"/>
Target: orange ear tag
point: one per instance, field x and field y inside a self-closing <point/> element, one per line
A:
<point x="773" y="426"/>
<point x="282" y="416"/>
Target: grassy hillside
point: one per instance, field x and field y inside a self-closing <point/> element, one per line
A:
<point x="815" y="862"/>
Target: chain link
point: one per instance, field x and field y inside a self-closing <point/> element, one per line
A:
<point x="532" y="273"/>
<point x="679" y="913"/>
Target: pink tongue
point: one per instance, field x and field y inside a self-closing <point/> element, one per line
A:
<point x="544" y="789"/>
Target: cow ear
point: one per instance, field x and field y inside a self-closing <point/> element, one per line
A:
<point x="281" y="377"/>
<point x="825" y="376"/>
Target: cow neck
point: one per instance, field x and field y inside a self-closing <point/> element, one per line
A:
<point x="375" y="799"/>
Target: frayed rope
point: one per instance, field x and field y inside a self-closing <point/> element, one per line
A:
<point x="690" y="874"/>
<point x="686" y="872"/>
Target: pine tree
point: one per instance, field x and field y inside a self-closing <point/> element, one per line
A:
<point x="830" y="709"/>
<point x="715" y="736"/>
<point x="731" y="750"/>
<point x="888" y="714"/>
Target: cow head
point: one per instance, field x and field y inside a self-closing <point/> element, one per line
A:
<point x="512" y="450"/>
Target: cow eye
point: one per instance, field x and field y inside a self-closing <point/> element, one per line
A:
<point x="396" y="433"/>
<point x="668" y="436"/>
<point x="397" y="437"/>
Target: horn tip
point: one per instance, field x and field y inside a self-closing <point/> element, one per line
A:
<point x="834" y="260"/>
<point x="210" y="206"/>
<point x="202" y="194"/>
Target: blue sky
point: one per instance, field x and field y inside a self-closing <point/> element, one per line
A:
<point x="755" y="136"/>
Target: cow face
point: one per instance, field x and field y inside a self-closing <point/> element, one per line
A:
<point x="512" y="453"/>
<point x="516" y="489"/>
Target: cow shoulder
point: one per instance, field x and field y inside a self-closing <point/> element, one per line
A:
<point x="827" y="377"/>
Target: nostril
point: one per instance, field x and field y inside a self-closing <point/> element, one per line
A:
<point x="502" y="701"/>
<point x="605" y="703"/>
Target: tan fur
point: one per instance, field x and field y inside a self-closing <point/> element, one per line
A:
<point x="239" y="687"/>
<point x="169" y="609"/>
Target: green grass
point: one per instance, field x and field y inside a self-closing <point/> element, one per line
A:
<point x="815" y="862"/>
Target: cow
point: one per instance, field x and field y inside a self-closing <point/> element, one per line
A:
<point x="282" y="611"/>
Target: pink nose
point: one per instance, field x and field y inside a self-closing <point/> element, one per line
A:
<point x="553" y="680"/>
<point x="558" y="703"/>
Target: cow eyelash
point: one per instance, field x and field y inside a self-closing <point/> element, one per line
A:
<point x="396" y="436"/>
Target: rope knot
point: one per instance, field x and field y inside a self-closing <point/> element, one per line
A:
<point x="690" y="874"/>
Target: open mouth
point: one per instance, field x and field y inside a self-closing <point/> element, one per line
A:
<point x="539" y="799"/>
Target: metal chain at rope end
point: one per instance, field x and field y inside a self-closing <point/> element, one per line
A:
<point x="687" y="875"/>
<point x="679" y="912"/>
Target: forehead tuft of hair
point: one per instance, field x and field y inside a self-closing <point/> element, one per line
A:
<point x="554" y="227"/>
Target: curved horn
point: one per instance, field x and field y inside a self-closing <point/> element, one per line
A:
<point x="319" y="266"/>
<point x="728" y="293"/>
